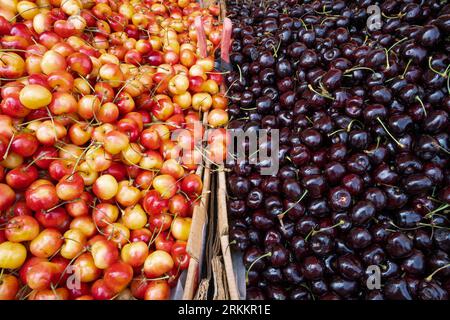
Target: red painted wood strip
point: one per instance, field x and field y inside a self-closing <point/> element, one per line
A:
<point x="201" y="37"/>
<point x="226" y="40"/>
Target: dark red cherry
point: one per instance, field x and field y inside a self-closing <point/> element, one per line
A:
<point x="358" y="163"/>
<point x="377" y="197"/>
<point x="407" y="218"/>
<point x="312" y="268"/>
<point x="417" y="183"/>
<point x="414" y="264"/>
<point x="238" y="186"/>
<point x="397" y="289"/>
<point x="292" y="189"/>
<point x="343" y="287"/>
<point x="350" y="267"/>
<point x="359" y="238"/>
<point x="311" y="138"/>
<point x="362" y="212"/>
<point x="353" y="183"/>
<point x="321" y="244"/>
<point x="253" y="255"/>
<point x="399" y="245"/>
<point x="339" y="198"/>
<point x="334" y="171"/>
<point x="300" y="247"/>
<point x="261" y="221"/>
<point x="373" y="255"/>
<point x="315" y="184"/>
<point x="431" y="290"/>
<point x="254" y="294"/>
<point x="292" y="273"/>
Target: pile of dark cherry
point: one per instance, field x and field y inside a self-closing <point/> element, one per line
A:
<point x="364" y="138"/>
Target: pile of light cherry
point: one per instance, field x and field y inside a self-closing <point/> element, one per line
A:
<point x="96" y="193"/>
<point x="360" y="206"/>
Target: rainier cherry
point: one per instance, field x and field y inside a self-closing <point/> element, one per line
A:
<point x="181" y="228"/>
<point x="134" y="217"/>
<point x="118" y="233"/>
<point x="56" y="218"/>
<point x="127" y="195"/>
<point x="118" y="276"/>
<point x="105" y="214"/>
<point x="74" y="242"/>
<point x="34" y="96"/>
<point x="157" y="290"/>
<point x="41" y="197"/>
<point x="105" y="187"/>
<point x="47" y="243"/>
<point x="164" y="241"/>
<point x="70" y="187"/>
<point x="24" y="144"/>
<point x="12" y="255"/>
<point x="21" y="177"/>
<point x="101" y="291"/>
<point x="178" y="205"/>
<point x="85" y="224"/>
<point x="153" y="203"/>
<point x="42" y="275"/>
<point x="192" y="185"/>
<point x="22" y="228"/>
<point x="172" y="168"/>
<point x="134" y="253"/>
<point x="84" y="264"/>
<point x="158" y="263"/>
<point x="104" y="253"/>
<point x="166" y="185"/>
<point x="9" y="286"/>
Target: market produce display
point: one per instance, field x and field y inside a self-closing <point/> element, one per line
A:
<point x="360" y="206"/>
<point x="96" y="194"/>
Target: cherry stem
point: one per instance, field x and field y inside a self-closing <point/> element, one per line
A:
<point x="358" y="68"/>
<point x="442" y="148"/>
<point x="443" y="207"/>
<point x="442" y="74"/>
<point x="376" y="147"/>
<point x="325" y="95"/>
<point x="387" y="58"/>
<point x="397" y="43"/>
<point x="31" y="121"/>
<point x="229" y="245"/>
<point x="400" y="15"/>
<point x="69" y="264"/>
<point x="432" y="226"/>
<point x="430" y="277"/>
<point x="448" y="85"/>
<point x="281" y="215"/>
<point x="53" y="123"/>
<point x="387" y="131"/>
<point x="153" y="238"/>
<point x="276" y="49"/>
<point x="82" y="155"/>
<point x="334" y="132"/>
<point x="304" y="24"/>
<point x="314" y="232"/>
<point x="9" y="146"/>
<point x="61" y="204"/>
<point x="422" y="105"/>
<point x="406" y="68"/>
<point x="349" y="127"/>
<point x="268" y="254"/>
<point x="157" y="279"/>
<point x="35" y="160"/>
